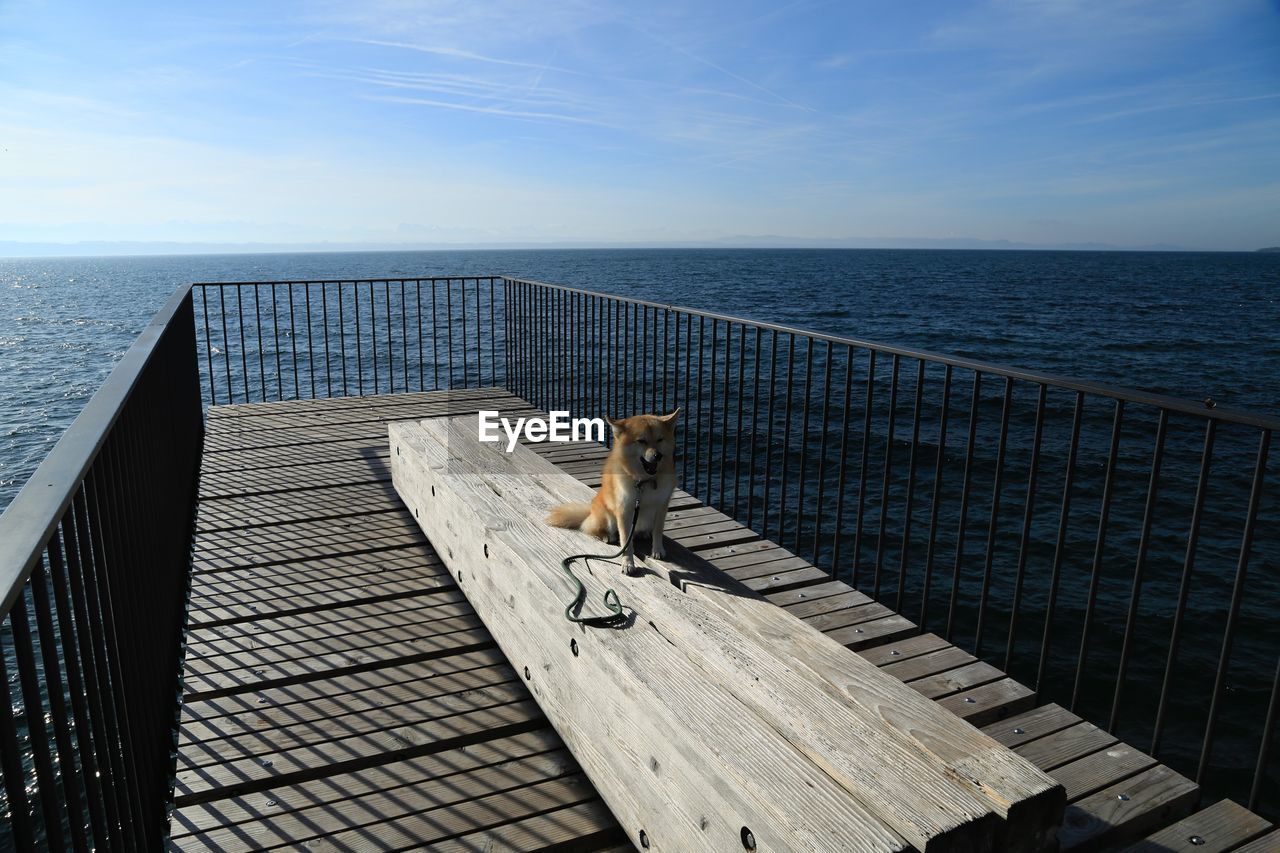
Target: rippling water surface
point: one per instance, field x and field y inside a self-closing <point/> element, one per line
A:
<point x="1190" y="324"/>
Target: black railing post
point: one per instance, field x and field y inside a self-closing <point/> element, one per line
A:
<point x="1237" y="595"/>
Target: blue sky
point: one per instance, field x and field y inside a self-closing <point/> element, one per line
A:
<point x="1062" y="121"/>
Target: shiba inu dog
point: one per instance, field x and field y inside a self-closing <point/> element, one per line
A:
<point x="641" y="466"/>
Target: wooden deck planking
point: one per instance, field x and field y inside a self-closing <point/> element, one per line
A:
<point x="1220" y="827"/>
<point x="299" y="533"/>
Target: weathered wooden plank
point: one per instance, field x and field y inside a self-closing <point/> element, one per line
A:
<point x="268" y="654"/>
<point x="308" y="720"/>
<point x="494" y="814"/>
<point x="873" y="633"/>
<point x="1217" y="829"/>
<point x="273" y="731"/>
<point x="343" y="403"/>
<point x="468" y="636"/>
<point x="832" y="620"/>
<point x="1268" y="843"/>
<point x="282" y="457"/>
<point x="299" y="533"/>
<point x="699" y="519"/>
<point x="785" y="580"/>
<point x="217" y="769"/>
<point x="305" y="700"/>
<point x="755" y="557"/>
<point x="697" y="541"/>
<point x="315" y="802"/>
<point x="905" y="649"/>
<point x="568" y="451"/>
<point x="709" y="767"/>
<point x="221" y="606"/>
<point x="932" y="663"/>
<point x="359" y="536"/>
<point x="257" y="649"/>
<point x="299" y="505"/>
<point x="990" y="702"/>
<point x="793" y="597"/>
<point x="1127" y="809"/>
<point x="747" y="570"/>
<point x="715" y="555"/>
<point x="544" y="479"/>
<point x="1093" y="772"/>
<point x="1066" y="745"/>
<point x="291" y="437"/>
<point x="267" y="599"/>
<point x="340" y="472"/>
<point x="1036" y="723"/>
<point x="278" y="578"/>
<point x="370" y="426"/>
<point x="274" y="567"/>
<point x="807" y="606"/>
<point x="384" y="408"/>
<point x="372" y="612"/>
<point x="956" y="680"/>
<point x="579" y="827"/>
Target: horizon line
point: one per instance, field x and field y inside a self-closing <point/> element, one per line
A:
<point x="33" y="249"/>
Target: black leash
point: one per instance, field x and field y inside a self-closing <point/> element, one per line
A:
<point x="615" y="618"/>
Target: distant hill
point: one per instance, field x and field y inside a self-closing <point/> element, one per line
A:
<point x="1273" y="249"/>
<point x="17" y="249"/>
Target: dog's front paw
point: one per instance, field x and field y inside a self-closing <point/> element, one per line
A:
<point x="657" y="552"/>
<point x="629" y="567"/>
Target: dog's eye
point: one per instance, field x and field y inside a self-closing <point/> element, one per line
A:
<point x="642" y="440"/>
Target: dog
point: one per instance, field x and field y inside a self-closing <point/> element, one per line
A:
<point x="641" y="465"/>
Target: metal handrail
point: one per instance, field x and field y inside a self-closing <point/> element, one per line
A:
<point x="792" y="435"/>
<point x="1164" y="401"/>
<point x="766" y="445"/>
<point x="29" y="521"/>
<point x="95" y="559"/>
<point x="337" y="337"/>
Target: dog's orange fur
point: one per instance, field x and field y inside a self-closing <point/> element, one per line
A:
<point x="641" y="463"/>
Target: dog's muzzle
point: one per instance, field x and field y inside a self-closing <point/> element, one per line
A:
<point x="650" y="464"/>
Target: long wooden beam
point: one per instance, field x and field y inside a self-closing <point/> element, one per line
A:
<point x="712" y="720"/>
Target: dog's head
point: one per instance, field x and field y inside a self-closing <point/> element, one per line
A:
<point x="646" y="441"/>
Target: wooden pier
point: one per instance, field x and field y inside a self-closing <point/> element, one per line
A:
<point x="340" y="692"/>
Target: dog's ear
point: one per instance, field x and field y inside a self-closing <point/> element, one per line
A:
<point x="619" y="425"/>
<point x="671" y="418"/>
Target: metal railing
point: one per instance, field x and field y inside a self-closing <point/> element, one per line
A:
<point x="94" y="569"/>
<point x="286" y="340"/>
<point x="1116" y="549"/>
<point x="1113" y="548"/>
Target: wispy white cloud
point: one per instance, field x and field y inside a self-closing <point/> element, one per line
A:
<point x="475" y="108"/>
<point x="587" y="116"/>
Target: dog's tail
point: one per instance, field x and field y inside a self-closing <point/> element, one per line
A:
<point x="569" y="515"/>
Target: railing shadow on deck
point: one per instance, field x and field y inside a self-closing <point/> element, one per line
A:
<point x="1114" y="548"/>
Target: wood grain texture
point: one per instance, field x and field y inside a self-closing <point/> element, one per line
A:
<point x="1127" y="809"/>
<point x="802" y="707"/>
<point x="630" y="704"/>
<point x="1221" y="827"/>
<point x="1001" y="698"/>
